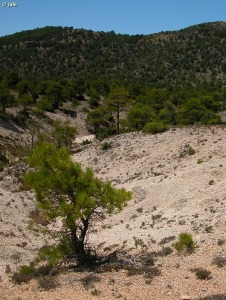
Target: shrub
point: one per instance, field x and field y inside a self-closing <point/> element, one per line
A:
<point x="220" y="242"/>
<point x="191" y="151"/>
<point x="220" y="261"/>
<point x="86" y="142"/>
<point x="89" y="280"/>
<point x="154" y="127"/>
<point x="24" y="274"/>
<point x="95" y="292"/>
<point x="201" y="273"/>
<point x="19" y="278"/>
<point x="105" y="146"/>
<point x="199" y="161"/>
<point x="185" y="243"/>
<point x="47" y="283"/>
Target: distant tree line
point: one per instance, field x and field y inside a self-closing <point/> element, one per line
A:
<point x="115" y="106"/>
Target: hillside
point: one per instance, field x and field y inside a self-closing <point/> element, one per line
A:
<point x="61" y="85"/>
<point x="177" y="57"/>
<point x="174" y="190"/>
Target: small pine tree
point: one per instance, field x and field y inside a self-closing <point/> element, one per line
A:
<point x="63" y="190"/>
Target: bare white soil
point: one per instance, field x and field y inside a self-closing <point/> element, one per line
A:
<point x="173" y="192"/>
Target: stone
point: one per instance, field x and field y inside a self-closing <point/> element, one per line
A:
<point x="186" y="297"/>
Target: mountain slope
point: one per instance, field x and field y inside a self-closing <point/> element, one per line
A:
<point x="172" y="193"/>
<point x="194" y="53"/>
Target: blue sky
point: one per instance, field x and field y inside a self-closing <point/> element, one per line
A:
<point x="122" y="16"/>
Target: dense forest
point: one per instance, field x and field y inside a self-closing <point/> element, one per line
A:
<point x="140" y="82"/>
<point x="178" y="57"/>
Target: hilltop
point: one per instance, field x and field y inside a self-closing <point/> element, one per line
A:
<point x="173" y="57"/>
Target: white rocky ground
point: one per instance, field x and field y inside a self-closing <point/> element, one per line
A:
<point x="173" y="192"/>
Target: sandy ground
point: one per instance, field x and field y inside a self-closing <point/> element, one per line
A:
<point x="173" y="192"/>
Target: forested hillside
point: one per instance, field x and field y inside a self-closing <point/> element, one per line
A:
<point x="179" y="57"/>
<point x="130" y="82"/>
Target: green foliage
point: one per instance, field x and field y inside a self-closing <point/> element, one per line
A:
<point x="86" y="142"/>
<point x="23" y="87"/>
<point x="97" y="118"/>
<point x="44" y="104"/>
<point x="27" y="270"/>
<point x="103" y="133"/>
<point x="139" y="115"/>
<point x="24" y="274"/>
<point x="53" y="254"/>
<point x="55" y="93"/>
<point x="154" y="127"/>
<point x="191" y="151"/>
<point x="199" y="161"/>
<point x="198" y="111"/>
<point x="6" y="98"/>
<point x="63" y="133"/>
<point x="64" y="190"/>
<point x="166" y="59"/>
<point x="25" y="100"/>
<point x="116" y="100"/>
<point x="201" y="273"/>
<point x="100" y="122"/>
<point x="105" y="146"/>
<point x="185" y="243"/>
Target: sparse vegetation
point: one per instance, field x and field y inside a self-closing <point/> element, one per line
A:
<point x="47" y="283"/>
<point x="106" y="146"/>
<point x="199" y="161"/>
<point x="24" y="274"/>
<point x="86" y="142"/>
<point x="167" y="240"/>
<point x="191" y="151"/>
<point x="185" y="243"/>
<point x="167" y="95"/>
<point x="220" y="261"/>
<point x="221" y="242"/>
<point x="64" y="190"/>
<point x="89" y="280"/>
<point x="154" y="127"/>
<point x="201" y="273"/>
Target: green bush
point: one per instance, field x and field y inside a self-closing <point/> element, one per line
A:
<point x="86" y="142"/>
<point x="199" y="161"/>
<point x="185" y="243"/>
<point x="191" y="151"/>
<point x="24" y="274"/>
<point x="105" y="146"/>
<point x="201" y="273"/>
<point x="154" y="127"/>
